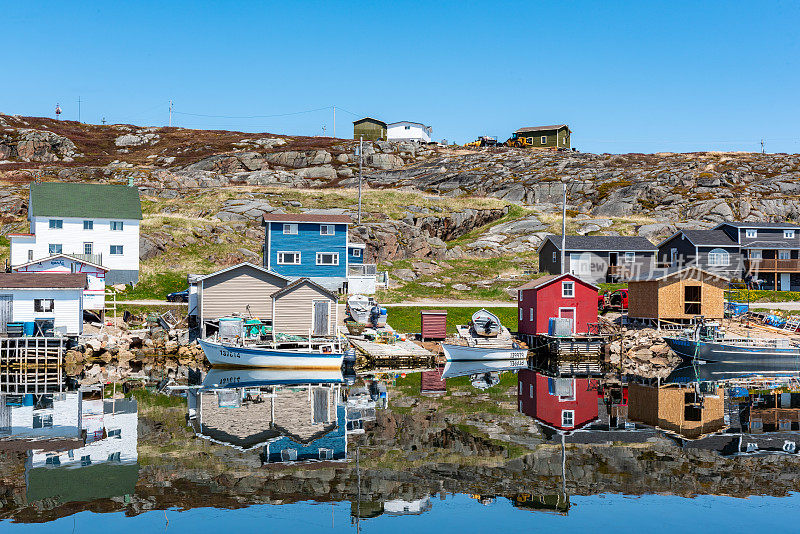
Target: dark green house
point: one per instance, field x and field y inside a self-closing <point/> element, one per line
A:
<point x="371" y="129"/>
<point x="554" y="136"/>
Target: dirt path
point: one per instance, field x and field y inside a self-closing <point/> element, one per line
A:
<point x="457" y="303"/>
<point x="151" y="302"/>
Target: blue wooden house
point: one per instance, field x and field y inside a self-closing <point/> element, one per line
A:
<point x="312" y="246"/>
<point x="330" y="443"/>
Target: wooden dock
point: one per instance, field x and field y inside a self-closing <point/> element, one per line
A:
<point x="32" y="365"/>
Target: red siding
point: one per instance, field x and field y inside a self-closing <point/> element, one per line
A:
<point x="434" y="324"/>
<point x="547" y="300"/>
<point x="547" y="408"/>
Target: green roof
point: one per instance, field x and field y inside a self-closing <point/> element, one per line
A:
<point x="61" y="199"/>
<point x="81" y="484"/>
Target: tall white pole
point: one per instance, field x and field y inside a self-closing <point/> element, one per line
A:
<point x="79" y="109"/>
<point x="334" y="122"/>
<point x="564" y="230"/>
<point x="170" y="113"/>
<point x="360" y="159"/>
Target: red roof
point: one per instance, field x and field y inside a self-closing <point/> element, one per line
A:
<point x="546" y="279"/>
<point x="42" y="280"/>
<point x="25" y="235"/>
<point x="307" y="218"/>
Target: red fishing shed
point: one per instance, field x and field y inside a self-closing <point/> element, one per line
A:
<point x="560" y="403"/>
<point x="556" y="295"/>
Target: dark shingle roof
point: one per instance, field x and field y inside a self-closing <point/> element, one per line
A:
<point x="759" y="224"/>
<point x="307" y="218"/>
<point x="541" y="128"/>
<point x="771" y="244"/>
<point x="599" y="243"/>
<point x="42" y="280"/>
<point x="658" y="274"/>
<point x="62" y="199"/>
<point x="709" y="238"/>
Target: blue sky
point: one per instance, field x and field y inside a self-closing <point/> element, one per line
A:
<point x="626" y="76"/>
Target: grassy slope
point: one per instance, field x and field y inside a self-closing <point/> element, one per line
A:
<point x="407" y="318"/>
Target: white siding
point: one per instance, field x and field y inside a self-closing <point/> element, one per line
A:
<point x="414" y="131"/>
<point x="294" y="311"/>
<point x="65" y="413"/>
<point x="93" y="297"/>
<point x="67" y="309"/>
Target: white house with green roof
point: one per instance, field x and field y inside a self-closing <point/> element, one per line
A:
<point x="97" y="223"/>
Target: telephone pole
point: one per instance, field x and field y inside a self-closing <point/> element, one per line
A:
<point x="79" y="109"/>
<point x="564" y="230"/>
<point x="334" y="122"/>
<point x="762" y="146"/>
<point x="360" y="159"/>
<point x="170" y="113"/>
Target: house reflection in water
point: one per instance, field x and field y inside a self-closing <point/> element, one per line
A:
<point x="678" y="408"/>
<point x="561" y="404"/>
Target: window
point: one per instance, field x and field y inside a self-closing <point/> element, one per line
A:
<point x="530" y="140"/>
<point x="408" y="127"/>
<point x="520" y="388"/>
<point x="88" y="225"/>
<point x="327" y="229"/>
<point x="54" y="248"/>
<point x="788" y="234"/>
<point x="115" y="250"/>
<point x="751" y="233"/>
<point x="327" y="258"/>
<point x="531" y="313"/>
<point x="86" y="460"/>
<point x="114" y="457"/>
<point x="56" y="224"/>
<point x="544" y="139"/>
<point x="555" y="257"/>
<point x="567" y="290"/>
<point x="567" y="418"/>
<point x="288" y="455"/>
<point x="42" y="421"/>
<point x="116" y="433"/>
<point x="630" y="257"/>
<point x="30" y="254"/>
<point x="719" y="258"/>
<point x="288" y="258"/>
<point x="784" y="255"/>
<point x="43" y="305"/>
<point x="52" y="459"/>
<point x="325" y="454"/>
<point x="531" y="391"/>
<point x="116" y="226"/>
<point x="356" y="252"/>
<point x="692" y="300"/>
<point x="520" y="314"/>
<point x="88" y="248"/>
<point x="520" y="406"/>
<point x="289" y="229"/>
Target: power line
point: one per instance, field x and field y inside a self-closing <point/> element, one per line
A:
<point x="251" y="116"/>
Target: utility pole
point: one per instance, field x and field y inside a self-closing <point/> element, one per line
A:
<point x="564" y="230"/>
<point x="762" y="146"/>
<point x="103" y="121"/>
<point x="170" y="113"/>
<point x="360" y="159"/>
<point x="79" y="109"/>
<point x="334" y="122"/>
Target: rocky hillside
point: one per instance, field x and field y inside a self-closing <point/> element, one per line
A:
<point x="436" y="204"/>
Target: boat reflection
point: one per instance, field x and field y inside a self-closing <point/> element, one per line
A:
<point x="483" y="373"/>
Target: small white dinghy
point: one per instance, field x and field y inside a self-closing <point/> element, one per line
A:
<point x="462" y="353"/>
<point x="359" y="308"/>
<point x="485" y="323"/>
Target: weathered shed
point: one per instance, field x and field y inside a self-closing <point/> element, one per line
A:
<point x="304" y="307"/>
<point x="433" y="324"/>
<point x="677" y="408"/>
<point x="676" y="295"/>
<point x="432" y="383"/>
<point x="552" y="136"/>
<point x="371" y="129"/>
<point x="244" y="289"/>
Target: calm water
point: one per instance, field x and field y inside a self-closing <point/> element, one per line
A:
<point x="464" y="450"/>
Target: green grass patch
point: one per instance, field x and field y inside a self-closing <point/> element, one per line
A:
<point x="761" y="295"/>
<point x="611" y="287"/>
<point x="407" y="318"/>
<point x="155" y="286"/>
<point x="149" y="399"/>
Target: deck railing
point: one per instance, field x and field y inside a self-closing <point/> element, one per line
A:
<point x="362" y="269"/>
<point x="772" y="264"/>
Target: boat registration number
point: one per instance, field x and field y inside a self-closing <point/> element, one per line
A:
<point x="229" y="354"/>
<point x="517" y="355"/>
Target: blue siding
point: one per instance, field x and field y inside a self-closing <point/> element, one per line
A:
<point x="336" y="440"/>
<point x="355" y="260"/>
<point x="308" y="242"/>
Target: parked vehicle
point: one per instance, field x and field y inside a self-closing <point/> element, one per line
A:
<point x="518" y="142"/>
<point x="616" y="300"/>
<point x="179" y="296"/>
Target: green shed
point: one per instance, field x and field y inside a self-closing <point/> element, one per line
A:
<point x="553" y="136"/>
<point x="371" y="129"/>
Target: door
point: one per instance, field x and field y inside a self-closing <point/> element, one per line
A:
<point x="613" y="259"/>
<point x="5" y="312"/>
<point x="785" y="281"/>
<point x="321" y="317"/>
<point x="673" y="257"/>
<point x="580" y="264"/>
<point x="568" y="313"/>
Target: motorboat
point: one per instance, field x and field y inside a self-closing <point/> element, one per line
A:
<point x="359" y="307"/>
<point x="485" y="323"/>
<point x="236" y="378"/>
<point x="222" y="354"/>
<point x="706" y="342"/>
<point x="458" y="353"/>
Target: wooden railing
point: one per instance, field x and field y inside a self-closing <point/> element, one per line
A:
<point x="771" y="264"/>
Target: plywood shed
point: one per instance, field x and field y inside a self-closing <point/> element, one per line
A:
<point x="434" y="324"/>
<point x="676" y="295"/>
<point x="677" y="408"/>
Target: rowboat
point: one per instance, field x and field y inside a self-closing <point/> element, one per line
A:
<point x="485" y="323"/>
<point x="458" y="353"/>
<point x="231" y="355"/>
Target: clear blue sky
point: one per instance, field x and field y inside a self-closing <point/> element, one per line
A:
<point x="626" y="76"/>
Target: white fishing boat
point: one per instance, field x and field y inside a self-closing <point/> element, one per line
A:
<point x="460" y="353"/>
<point x="248" y="377"/>
<point x="485" y="323"/>
<point x="359" y="308"/>
<point x="468" y="368"/>
<point x="222" y="354"/>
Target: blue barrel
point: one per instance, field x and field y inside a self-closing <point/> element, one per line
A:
<point x="28" y="328"/>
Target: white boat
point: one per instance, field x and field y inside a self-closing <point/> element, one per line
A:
<point x="485" y="323"/>
<point x="468" y="368"/>
<point x="359" y="307"/>
<point x="248" y="377"/>
<point x="232" y="355"/>
<point x="461" y="353"/>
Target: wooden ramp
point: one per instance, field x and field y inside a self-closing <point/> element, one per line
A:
<point x="389" y="350"/>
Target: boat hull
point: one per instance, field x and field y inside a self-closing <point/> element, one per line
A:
<point x="223" y="355"/>
<point x="729" y="353"/>
<point x="249" y="377"/>
<point x="460" y="353"/>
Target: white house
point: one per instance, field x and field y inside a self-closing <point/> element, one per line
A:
<point x="409" y="131"/>
<point x="54" y="416"/>
<point x="94" y="294"/>
<point x="42" y="297"/>
<point x="98" y="223"/>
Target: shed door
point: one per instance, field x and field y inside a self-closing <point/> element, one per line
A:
<point x="322" y="313"/>
<point x="5" y="311"/>
<point x="580" y="264"/>
<point x="568" y="313"/>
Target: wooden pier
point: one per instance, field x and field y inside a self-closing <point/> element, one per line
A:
<point x="32" y="365"/>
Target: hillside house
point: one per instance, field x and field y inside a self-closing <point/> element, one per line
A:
<point x="317" y="247"/>
<point x="409" y="131"/>
<point x="97" y="223"/>
<point x="563" y="404"/>
<point x="677" y="408"/>
<point x="553" y="136"/>
<point x="370" y="129"/>
<point x="556" y="295"/>
<point x="598" y="259"/>
<point x="676" y="295"/>
<point x="94" y="294"/>
<point x="52" y="301"/>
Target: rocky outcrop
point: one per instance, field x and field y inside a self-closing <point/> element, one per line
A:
<point x="37" y="145"/>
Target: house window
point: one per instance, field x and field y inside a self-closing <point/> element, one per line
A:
<point x="30" y="254"/>
<point x="520" y="388"/>
<point x="630" y="257"/>
<point x="116" y="226"/>
<point x="788" y="234"/>
<point x="555" y="257"/>
<point x="56" y="224"/>
<point x="325" y="454"/>
<point x="327" y="229"/>
<point x="52" y="459"/>
<point x="531" y="391"/>
<point x="54" y="248"/>
<point x="88" y="248"/>
<point x="289" y="455"/>
<point x="327" y="258"/>
<point x="530" y="140"/>
<point x="692" y="301"/>
<point x="408" y="127"/>
<point x="114" y="457"/>
<point x="567" y="418"/>
<point x="356" y="252"/>
<point x="784" y="255"/>
<point x="86" y="460"/>
<point x="43" y="305"/>
<point x="288" y="258"/>
<point x="42" y="421"/>
<point x="544" y="139"/>
<point x="567" y="290"/>
<point x="88" y="225"/>
<point x="531" y="314"/>
<point x="289" y="229"/>
<point x="719" y="258"/>
<point x="751" y="233"/>
<point x="520" y="314"/>
<point x="116" y="250"/>
<point x="116" y="433"/>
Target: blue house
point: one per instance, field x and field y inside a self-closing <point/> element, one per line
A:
<point x="330" y="443"/>
<point x="313" y="246"/>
